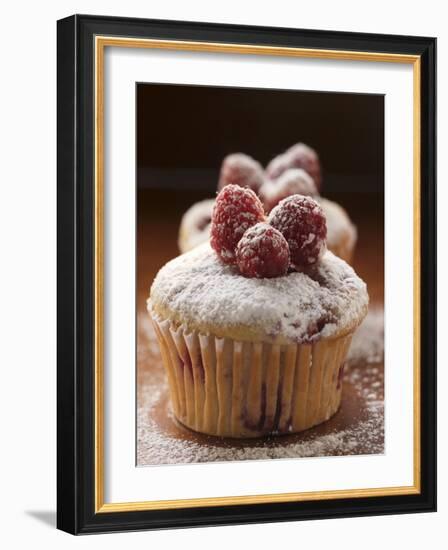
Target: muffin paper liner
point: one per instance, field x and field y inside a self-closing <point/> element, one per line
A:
<point x="229" y="388"/>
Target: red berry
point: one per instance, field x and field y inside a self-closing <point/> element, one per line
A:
<point x="241" y="170"/>
<point x="297" y="156"/>
<point x="262" y="252"/>
<point x="302" y="222"/>
<point x="235" y="210"/>
<point x="293" y="181"/>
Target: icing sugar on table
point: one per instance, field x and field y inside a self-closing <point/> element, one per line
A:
<point x="357" y="428"/>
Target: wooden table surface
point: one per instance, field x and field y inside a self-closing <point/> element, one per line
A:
<point x="161" y="440"/>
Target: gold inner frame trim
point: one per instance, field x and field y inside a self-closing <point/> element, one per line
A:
<point x="101" y="42"/>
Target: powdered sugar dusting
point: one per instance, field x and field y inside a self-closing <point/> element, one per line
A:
<point x="293" y="181"/>
<point x="242" y="170"/>
<point x="368" y="341"/>
<point x="296" y="217"/>
<point x="262" y="252"/>
<point x="299" y="155"/>
<point x="156" y="447"/>
<point x="158" y="443"/>
<point x="235" y="210"/>
<point x="298" y="307"/>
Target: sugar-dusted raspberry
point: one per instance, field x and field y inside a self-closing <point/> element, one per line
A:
<point x="297" y="156"/>
<point x="262" y="252"/>
<point x="241" y="170"/>
<point x="302" y="222"/>
<point x="235" y="210"/>
<point x="293" y="181"/>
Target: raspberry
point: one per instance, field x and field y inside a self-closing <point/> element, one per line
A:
<point x="241" y="170"/>
<point x="262" y="252"/>
<point x="236" y="209"/>
<point x="293" y="181"/>
<point x="302" y="222"/>
<point x="297" y="156"/>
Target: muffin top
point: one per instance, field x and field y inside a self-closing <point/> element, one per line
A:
<point x="201" y="293"/>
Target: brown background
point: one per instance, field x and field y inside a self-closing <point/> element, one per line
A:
<point x="183" y="133"/>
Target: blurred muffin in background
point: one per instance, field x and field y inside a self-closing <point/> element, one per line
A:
<point x="296" y="171"/>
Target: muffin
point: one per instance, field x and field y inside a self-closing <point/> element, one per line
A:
<point x="341" y="232"/>
<point x="195" y="225"/>
<point x="254" y="343"/>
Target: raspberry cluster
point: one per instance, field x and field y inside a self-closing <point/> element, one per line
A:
<point x="297" y="156"/>
<point x="243" y="170"/>
<point x="302" y="222"/>
<point x="293" y="181"/>
<point x="235" y="210"/>
<point x="294" y="236"/>
<point x="296" y="171"/>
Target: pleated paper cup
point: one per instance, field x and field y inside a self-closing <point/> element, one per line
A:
<point x="228" y="388"/>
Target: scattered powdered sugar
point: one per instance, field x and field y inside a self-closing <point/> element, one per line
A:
<point x="147" y="345"/>
<point x="157" y="447"/>
<point x="363" y="434"/>
<point x="300" y="307"/>
<point x="368" y="341"/>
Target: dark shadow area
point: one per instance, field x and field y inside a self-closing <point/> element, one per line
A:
<point x="184" y="132"/>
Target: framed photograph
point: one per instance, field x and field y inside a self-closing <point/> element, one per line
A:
<point x="246" y="274"/>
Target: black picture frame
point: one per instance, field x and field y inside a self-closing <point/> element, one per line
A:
<point x="76" y="271"/>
